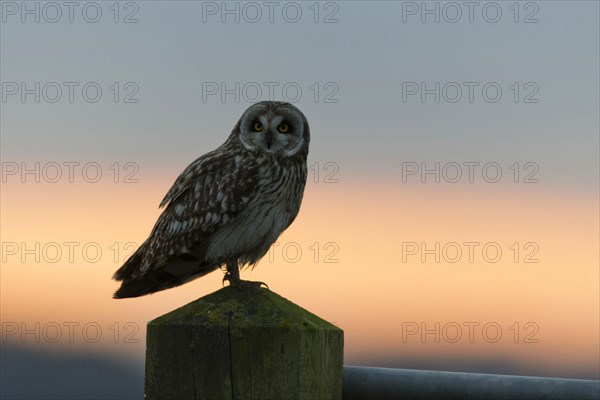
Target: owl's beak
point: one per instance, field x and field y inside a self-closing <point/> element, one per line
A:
<point x="269" y="139"/>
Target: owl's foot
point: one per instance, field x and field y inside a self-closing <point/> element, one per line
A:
<point x="233" y="277"/>
<point x="255" y="284"/>
<point x="237" y="282"/>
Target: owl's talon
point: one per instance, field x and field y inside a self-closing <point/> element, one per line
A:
<point x="255" y="284"/>
<point x="241" y="283"/>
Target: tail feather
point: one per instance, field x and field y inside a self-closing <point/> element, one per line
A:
<point x="151" y="282"/>
<point x="132" y="264"/>
<point x="175" y="272"/>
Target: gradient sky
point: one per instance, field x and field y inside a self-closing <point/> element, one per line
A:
<point x="358" y="203"/>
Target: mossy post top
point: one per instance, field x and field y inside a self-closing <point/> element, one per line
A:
<point x="247" y="307"/>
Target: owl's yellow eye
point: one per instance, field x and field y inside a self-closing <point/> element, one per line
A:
<point x="283" y="127"/>
<point x="258" y="127"/>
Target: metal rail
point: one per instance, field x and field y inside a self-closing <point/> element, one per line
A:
<point x="387" y="383"/>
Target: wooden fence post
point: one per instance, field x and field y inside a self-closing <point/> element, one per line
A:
<point x="247" y="343"/>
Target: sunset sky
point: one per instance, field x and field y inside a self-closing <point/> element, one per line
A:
<point x="383" y="247"/>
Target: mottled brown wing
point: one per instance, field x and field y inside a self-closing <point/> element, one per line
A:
<point x="209" y="193"/>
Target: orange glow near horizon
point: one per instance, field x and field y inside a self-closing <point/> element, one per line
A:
<point x="349" y="259"/>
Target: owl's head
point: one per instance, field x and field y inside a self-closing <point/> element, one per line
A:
<point x="274" y="127"/>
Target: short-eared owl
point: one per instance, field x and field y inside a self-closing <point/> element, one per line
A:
<point x="228" y="206"/>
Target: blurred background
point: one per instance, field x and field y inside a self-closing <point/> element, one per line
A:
<point x="450" y="220"/>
